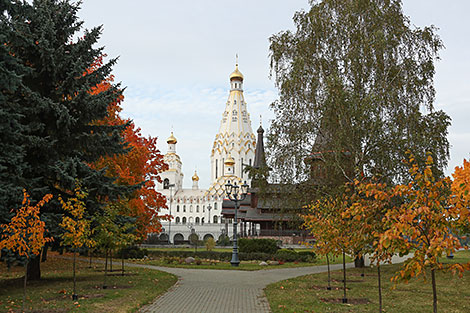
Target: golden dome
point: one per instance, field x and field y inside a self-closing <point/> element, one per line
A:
<point x="229" y="161"/>
<point x="195" y="177"/>
<point x="236" y="74"/>
<point x="171" y="139"/>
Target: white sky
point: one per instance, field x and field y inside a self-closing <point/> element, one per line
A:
<point x="175" y="58"/>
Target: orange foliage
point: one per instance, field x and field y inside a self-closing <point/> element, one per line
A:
<point x="141" y="165"/>
<point x="25" y="232"/>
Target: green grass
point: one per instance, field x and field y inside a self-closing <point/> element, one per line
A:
<point x="53" y="293"/>
<point x="304" y="294"/>
<point x="244" y="265"/>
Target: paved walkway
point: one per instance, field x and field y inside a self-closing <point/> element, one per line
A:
<point x="222" y="291"/>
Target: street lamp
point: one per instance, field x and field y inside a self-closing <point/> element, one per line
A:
<point x="209" y="208"/>
<point x="235" y="194"/>
<point x="170" y="186"/>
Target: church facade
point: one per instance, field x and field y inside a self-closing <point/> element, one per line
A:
<point x="196" y="210"/>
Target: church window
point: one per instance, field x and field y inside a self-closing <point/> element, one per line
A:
<point x="184" y="208"/>
<point x="202" y="221"/>
<point x="166" y="183"/>
<point x="197" y="220"/>
<point x="215" y="205"/>
<point x="203" y="208"/>
<point x="177" y="220"/>
<point x="184" y="220"/>
<point x="216" y="168"/>
<point x="197" y="208"/>
<point x="241" y="168"/>
<point x="177" y="208"/>
<point x="250" y="162"/>
<point x="191" y="208"/>
<point x="215" y="219"/>
<point x="190" y="220"/>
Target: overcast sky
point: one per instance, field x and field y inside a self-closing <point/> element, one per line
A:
<point x="175" y="58"/>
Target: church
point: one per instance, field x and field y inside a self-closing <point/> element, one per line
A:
<point x="196" y="210"/>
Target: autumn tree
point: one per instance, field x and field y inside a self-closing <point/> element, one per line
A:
<point x="77" y="232"/>
<point x="140" y="166"/>
<point x="24" y="234"/>
<point x="56" y="110"/>
<point x="461" y="193"/>
<point x="359" y="76"/>
<point x="334" y="232"/>
<point x="424" y="223"/>
<point x="371" y="201"/>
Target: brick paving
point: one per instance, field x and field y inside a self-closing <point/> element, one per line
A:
<point x="222" y="291"/>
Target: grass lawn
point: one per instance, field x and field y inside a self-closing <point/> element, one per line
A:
<point x="244" y="265"/>
<point x="53" y="293"/>
<point x="305" y="294"/>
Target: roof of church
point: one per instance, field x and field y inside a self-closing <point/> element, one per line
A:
<point x="260" y="157"/>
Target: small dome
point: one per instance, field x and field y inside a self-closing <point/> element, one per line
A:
<point x="229" y="161"/>
<point x="195" y="177"/>
<point x="171" y="139"/>
<point x="236" y="74"/>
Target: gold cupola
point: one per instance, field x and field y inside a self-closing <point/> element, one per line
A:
<point x="171" y="139"/>
<point x="236" y="74"/>
<point x="195" y="177"/>
<point x="229" y="161"/>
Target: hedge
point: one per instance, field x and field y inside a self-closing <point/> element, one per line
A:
<point x="258" y="245"/>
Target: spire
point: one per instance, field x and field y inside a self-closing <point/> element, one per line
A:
<point x="260" y="158"/>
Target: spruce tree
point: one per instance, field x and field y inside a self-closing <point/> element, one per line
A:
<point x="58" y="112"/>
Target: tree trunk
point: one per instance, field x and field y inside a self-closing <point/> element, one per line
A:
<point x="380" y="287"/>
<point x="434" y="291"/>
<point x="34" y="268"/>
<point x="44" y="253"/>
<point x="24" y="284"/>
<point x="74" y="295"/>
<point x="329" y="273"/>
<point x="345" y="300"/>
<point x="111" y="260"/>
<point x="105" y="269"/>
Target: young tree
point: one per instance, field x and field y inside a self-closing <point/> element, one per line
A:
<point x="333" y="231"/>
<point x="424" y="223"/>
<point x="370" y="203"/>
<point x="357" y="75"/>
<point x="77" y="232"/>
<point x="461" y="193"/>
<point x="24" y="234"/>
<point x="57" y="112"/>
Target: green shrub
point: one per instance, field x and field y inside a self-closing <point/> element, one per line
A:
<point x="286" y="255"/>
<point x="223" y="240"/>
<point x="307" y="256"/>
<point x="258" y="245"/>
<point x="132" y="252"/>
<point x="210" y="244"/>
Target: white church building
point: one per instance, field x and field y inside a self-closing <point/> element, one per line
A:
<point x="197" y="210"/>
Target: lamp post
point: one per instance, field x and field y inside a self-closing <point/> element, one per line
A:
<point x="170" y="186"/>
<point x="236" y="194"/>
<point x="209" y="208"/>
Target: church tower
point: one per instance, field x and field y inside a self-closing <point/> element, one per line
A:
<point x="235" y="139"/>
<point x="174" y="175"/>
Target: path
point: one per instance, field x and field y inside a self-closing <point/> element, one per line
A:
<point x="223" y="291"/>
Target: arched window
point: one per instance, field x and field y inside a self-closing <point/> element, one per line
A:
<point x="202" y="221"/>
<point x="215" y="219"/>
<point x="177" y="208"/>
<point x="197" y="220"/>
<point x="197" y="208"/>
<point x="215" y="205"/>
<point x="203" y="208"/>
<point x="191" y="208"/>
<point x="184" y="220"/>
<point x="184" y="208"/>
<point x="190" y="219"/>
<point x="166" y="183"/>
<point x="177" y="220"/>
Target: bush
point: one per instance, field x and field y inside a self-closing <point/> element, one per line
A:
<point x="223" y="240"/>
<point x="258" y="245"/>
<point x="286" y="255"/>
<point x="307" y="256"/>
<point x="210" y="244"/>
<point x="133" y="252"/>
